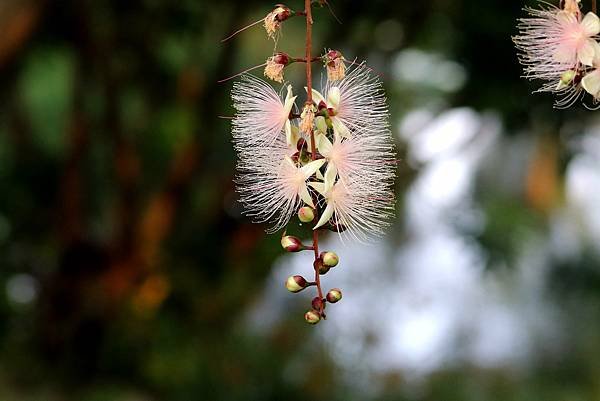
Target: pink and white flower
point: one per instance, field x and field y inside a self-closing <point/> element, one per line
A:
<point x="553" y="41"/>
<point x="272" y="186"/>
<point x="261" y="113"/>
<point x="363" y="211"/>
<point x="357" y="103"/>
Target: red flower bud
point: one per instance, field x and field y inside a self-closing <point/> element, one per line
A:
<point x="291" y="243"/>
<point x="296" y="283"/>
<point x="312" y="317"/>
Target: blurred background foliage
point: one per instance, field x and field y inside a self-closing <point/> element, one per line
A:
<point x="128" y="272"/>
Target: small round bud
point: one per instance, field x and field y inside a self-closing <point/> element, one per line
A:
<point x="296" y="283"/>
<point x="330" y="259"/>
<point x="318" y="303"/>
<point x="312" y="317"/>
<point x="320" y="266"/>
<point x="291" y="243"/>
<point x="334" y="295"/>
<point x="306" y="214"/>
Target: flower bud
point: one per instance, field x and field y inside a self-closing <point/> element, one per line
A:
<point x="318" y="303"/>
<point x="291" y="243"/>
<point x="296" y="283"/>
<point x="566" y="79"/>
<point x="312" y="317"/>
<point x="334" y="62"/>
<point x="275" y="65"/>
<point x="330" y="259"/>
<point x="334" y="295"/>
<point x="306" y="214"/>
<point x="320" y="266"/>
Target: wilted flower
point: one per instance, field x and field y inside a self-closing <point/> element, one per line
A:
<point x="261" y="114"/>
<point x="275" y="65"/>
<point x="273" y="20"/>
<point x="307" y="118"/>
<point x="334" y="63"/>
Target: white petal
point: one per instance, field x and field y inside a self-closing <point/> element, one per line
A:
<point x="324" y="145"/>
<point x="596" y="61"/>
<point x="327" y="213"/>
<point x="320" y="175"/>
<point x="591" y="83"/>
<point x="330" y="175"/>
<point x="587" y="53"/>
<point x="333" y="97"/>
<point x="591" y="24"/>
<point x="289" y="135"/>
<point x="319" y="187"/>
<point x="317" y="97"/>
<point x="289" y="161"/>
<point x="339" y="129"/>
<point x="305" y="196"/>
<point x="289" y="101"/>
<point x="311" y="167"/>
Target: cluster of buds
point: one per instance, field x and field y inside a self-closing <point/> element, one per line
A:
<point x="325" y="261"/>
<point x="558" y="45"/>
<point x="331" y="163"/>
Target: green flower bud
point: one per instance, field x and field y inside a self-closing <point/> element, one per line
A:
<point x="334" y="295"/>
<point x="296" y="283"/>
<point x="312" y="317"/>
<point x="567" y="77"/>
<point x="306" y="214"/>
<point x="330" y="259"/>
<point x="321" y="124"/>
<point x="291" y="243"/>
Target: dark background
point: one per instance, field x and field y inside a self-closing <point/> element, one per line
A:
<point x="127" y="271"/>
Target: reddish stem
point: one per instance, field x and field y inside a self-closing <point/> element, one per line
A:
<point x="594" y="6"/>
<point x="309" y="101"/>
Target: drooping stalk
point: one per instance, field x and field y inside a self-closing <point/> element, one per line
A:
<point x="309" y="100"/>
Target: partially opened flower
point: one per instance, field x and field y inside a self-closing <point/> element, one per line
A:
<point x="553" y="41"/>
<point x="261" y="113"/>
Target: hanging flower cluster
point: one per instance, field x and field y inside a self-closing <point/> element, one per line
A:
<point x="329" y="161"/>
<point x="558" y="45"/>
